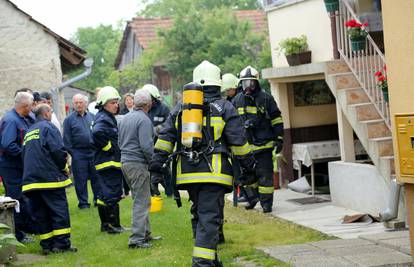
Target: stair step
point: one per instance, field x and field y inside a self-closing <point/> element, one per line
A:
<point x="360" y="104"/>
<point x="345" y="81"/>
<point x="388" y="157"/>
<point x="379" y="139"/>
<point x="337" y="66"/>
<point x="366" y="111"/>
<point x="372" y="121"/>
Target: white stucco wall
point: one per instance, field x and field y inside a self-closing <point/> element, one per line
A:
<point x="29" y="57"/>
<point x="308" y="17"/>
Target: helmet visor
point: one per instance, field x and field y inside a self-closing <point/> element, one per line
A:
<point x="248" y="85"/>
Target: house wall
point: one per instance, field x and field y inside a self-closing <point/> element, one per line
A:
<point x="308" y="17"/>
<point x="131" y="52"/>
<point x="399" y="44"/>
<point x="309" y="116"/>
<point x="29" y="57"/>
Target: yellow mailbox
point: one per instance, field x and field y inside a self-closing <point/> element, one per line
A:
<point x="404" y="124"/>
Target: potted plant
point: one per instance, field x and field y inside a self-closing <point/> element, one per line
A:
<point x="382" y="82"/>
<point x="296" y="50"/>
<point x="357" y="34"/>
<point x="332" y="5"/>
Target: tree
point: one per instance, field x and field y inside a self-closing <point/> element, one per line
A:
<point x="217" y="37"/>
<point x="102" y="44"/>
<point x="174" y="8"/>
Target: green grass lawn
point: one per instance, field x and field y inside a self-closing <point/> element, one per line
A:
<point x="244" y="230"/>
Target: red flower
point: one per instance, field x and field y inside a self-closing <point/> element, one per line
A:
<point x="378" y="74"/>
<point x="382" y="78"/>
<point x="385" y="67"/>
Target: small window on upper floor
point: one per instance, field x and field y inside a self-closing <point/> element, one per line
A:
<point x="274" y="3"/>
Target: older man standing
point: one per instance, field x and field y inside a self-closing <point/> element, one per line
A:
<point x="77" y="137"/>
<point x="13" y="127"/>
<point x="45" y="177"/>
<point x="136" y="144"/>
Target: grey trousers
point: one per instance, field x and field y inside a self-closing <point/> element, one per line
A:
<point x="138" y="178"/>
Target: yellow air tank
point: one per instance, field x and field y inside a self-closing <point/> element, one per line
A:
<point x="192" y="114"/>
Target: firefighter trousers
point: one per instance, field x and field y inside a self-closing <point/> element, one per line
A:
<point x="208" y="203"/>
<point x="110" y="186"/>
<point x="52" y="217"/>
<point x="263" y="189"/>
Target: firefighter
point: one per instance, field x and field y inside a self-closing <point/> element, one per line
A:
<point x="107" y="160"/>
<point x="264" y="129"/>
<point x="45" y="176"/>
<point x="204" y="129"/>
<point x="158" y="114"/>
<point x="230" y="86"/>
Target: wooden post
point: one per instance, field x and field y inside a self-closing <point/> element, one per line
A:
<point x="332" y="16"/>
<point x="409" y="200"/>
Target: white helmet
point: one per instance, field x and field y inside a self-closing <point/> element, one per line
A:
<point x="229" y="81"/>
<point x="249" y="73"/>
<point x="207" y="74"/>
<point x="153" y="90"/>
<point x="106" y="94"/>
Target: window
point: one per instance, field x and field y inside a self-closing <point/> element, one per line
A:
<point x="312" y="93"/>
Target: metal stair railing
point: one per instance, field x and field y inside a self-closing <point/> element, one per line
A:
<point x="364" y="63"/>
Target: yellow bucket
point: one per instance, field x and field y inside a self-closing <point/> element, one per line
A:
<point x="156" y="204"/>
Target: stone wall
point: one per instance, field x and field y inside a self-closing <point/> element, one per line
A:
<point x="29" y="56"/>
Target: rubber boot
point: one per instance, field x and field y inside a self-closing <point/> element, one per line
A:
<point x="112" y="220"/>
<point x="103" y="217"/>
<point x="252" y="195"/>
<point x="117" y="223"/>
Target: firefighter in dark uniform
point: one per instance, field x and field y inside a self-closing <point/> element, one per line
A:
<point x="13" y="127"/>
<point x="158" y="114"/>
<point x="202" y="165"/>
<point x="230" y="86"/>
<point x="107" y="160"/>
<point x="45" y="177"/>
<point x="264" y="129"/>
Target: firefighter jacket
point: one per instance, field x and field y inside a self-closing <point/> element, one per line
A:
<point x="44" y="158"/>
<point x="262" y="120"/>
<point x="159" y="113"/>
<point x="225" y="132"/>
<point x="105" y="141"/>
<point x="13" y="127"/>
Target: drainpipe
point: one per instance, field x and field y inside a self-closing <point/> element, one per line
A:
<point x="392" y="211"/>
<point x="56" y="91"/>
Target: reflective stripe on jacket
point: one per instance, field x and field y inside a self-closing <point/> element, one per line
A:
<point x="105" y="141"/>
<point x="262" y="119"/>
<point x="226" y="129"/>
<point x="44" y="158"/>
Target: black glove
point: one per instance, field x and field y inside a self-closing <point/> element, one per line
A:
<point x="156" y="178"/>
<point x="279" y="146"/>
<point x="248" y="178"/>
<point x="248" y="169"/>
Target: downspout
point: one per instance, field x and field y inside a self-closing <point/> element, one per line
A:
<point x="392" y="210"/>
<point x="57" y="90"/>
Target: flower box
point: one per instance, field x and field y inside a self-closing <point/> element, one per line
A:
<point x="358" y="43"/>
<point x="332" y="5"/>
<point x="299" y="58"/>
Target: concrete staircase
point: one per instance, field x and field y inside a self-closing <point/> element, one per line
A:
<point x="362" y="115"/>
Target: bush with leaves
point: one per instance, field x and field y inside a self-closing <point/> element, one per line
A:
<point x="7" y="239"/>
<point x="294" y="45"/>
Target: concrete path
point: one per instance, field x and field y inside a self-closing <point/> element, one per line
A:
<point x="323" y="217"/>
<point x="360" y="244"/>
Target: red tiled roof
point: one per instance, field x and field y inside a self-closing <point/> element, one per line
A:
<point x="256" y="17"/>
<point x="146" y="29"/>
